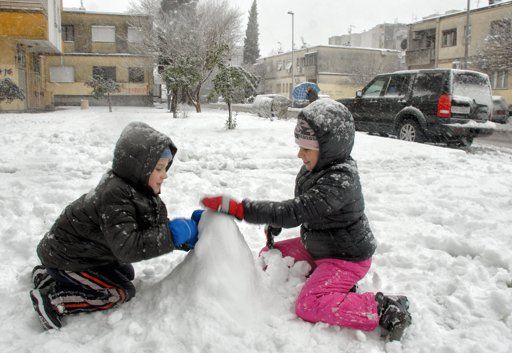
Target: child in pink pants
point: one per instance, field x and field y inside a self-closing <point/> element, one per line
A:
<point x="335" y="235"/>
<point x="327" y="296"/>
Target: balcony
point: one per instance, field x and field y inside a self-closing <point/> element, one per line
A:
<point x="416" y="57"/>
<point x="34" y="5"/>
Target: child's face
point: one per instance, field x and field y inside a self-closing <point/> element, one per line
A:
<point x="158" y="175"/>
<point x="309" y="157"/>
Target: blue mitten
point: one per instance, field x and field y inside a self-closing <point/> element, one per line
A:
<point x="196" y="215"/>
<point x="184" y="233"/>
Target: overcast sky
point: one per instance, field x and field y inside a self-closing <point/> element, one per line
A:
<point x="315" y="20"/>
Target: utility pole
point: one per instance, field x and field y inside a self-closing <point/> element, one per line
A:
<point x="466" y="38"/>
<point x="350" y="34"/>
<point x="293" y="45"/>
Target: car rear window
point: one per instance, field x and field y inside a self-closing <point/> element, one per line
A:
<point x="429" y="83"/>
<point x="472" y="85"/>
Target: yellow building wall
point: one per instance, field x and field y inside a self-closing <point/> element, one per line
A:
<point x="8" y="69"/>
<point x="29" y="25"/>
<point x="337" y="86"/>
<point x="83" y="66"/>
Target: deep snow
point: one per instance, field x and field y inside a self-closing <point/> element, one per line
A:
<point x="442" y="218"/>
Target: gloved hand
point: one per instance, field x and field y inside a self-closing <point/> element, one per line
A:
<point x="224" y="204"/>
<point x="196" y="216"/>
<point x="183" y="232"/>
<point x="270" y="233"/>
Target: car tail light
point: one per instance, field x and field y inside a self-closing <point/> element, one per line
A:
<point x="500" y="112"/>
<point x="444" y="106"/>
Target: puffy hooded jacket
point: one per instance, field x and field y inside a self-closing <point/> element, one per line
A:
<point x="121" y="220"/>
<point x="328" y="201"/>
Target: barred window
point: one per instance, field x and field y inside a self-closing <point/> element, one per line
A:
<point x="136" y="74"/>
<point x="68" y="33"/>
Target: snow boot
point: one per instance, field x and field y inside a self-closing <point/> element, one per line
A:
<point x="48" y="315"/>
<point x="394" y="315"/>
<point x="41" y="278"/>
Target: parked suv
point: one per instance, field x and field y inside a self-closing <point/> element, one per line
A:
<point x="440" y="105"/>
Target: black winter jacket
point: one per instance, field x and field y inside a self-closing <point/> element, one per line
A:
<point x="121" y="220"/>
<point x="328" y="201"/>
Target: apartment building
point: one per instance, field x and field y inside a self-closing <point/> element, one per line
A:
<point x="383" y="36"/>
<point x="440" y="41"/>
<point x="338" y="70"/>
<point x="105" y="44"/>
<point x="29" y="30"/>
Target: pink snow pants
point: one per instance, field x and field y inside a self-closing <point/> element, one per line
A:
<point x="325" y="296"/>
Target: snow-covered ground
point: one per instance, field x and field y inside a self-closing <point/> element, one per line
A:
<point x="442" y="218"/>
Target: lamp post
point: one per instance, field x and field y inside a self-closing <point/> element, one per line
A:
<point x="293" y="66"/>
<point x="466" y="37"/>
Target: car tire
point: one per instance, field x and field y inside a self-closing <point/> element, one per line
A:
<point x="409" y="130"/>
<point x="466" y="141"/>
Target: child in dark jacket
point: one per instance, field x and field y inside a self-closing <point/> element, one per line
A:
<point x="335" y="236"/>
<point x="87" y="254"/>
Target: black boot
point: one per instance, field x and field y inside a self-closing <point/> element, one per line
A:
<point x="48" y="315"/>
<point x="41" y="278"/>
<point x="394" y="315"/>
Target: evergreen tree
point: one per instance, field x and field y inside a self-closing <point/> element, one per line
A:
<point x="234" y="83"/>
<point x="251" y="46"/>
<point x="103" y="87"/>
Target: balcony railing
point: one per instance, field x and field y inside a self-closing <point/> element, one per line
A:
<point x="41" y="5"/>
<point x="420" y="56"/>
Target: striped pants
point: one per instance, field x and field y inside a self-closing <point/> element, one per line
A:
<point x="99" y="288"/>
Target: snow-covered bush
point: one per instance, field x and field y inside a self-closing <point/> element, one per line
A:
<point x="103" y="87"/>
<point x="9" y="91"/>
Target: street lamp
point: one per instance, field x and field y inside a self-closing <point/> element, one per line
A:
<point x="293" y="66"/>
<point x="466" y="37"/>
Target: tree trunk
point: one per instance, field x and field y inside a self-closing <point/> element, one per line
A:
<point x="109" y="103"/>
<point x="168" y="97"/>
<point x="194" y="98"/>
<point x="230" y="119"/>
<point x="174" y="104"/>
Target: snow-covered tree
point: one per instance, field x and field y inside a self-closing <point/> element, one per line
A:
<point x="202" y="36"/>
<point x="174" y="6"/>
<point x="251" y="45"/>
<point x="496" y="52"/>
<point x="234" y="83"/>
<point x="9" y="91"/>
<point x="103" y="87"/>
<point x="179" y="77"/>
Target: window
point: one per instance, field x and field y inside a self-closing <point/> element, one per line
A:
<point x="279" y="65"/>
<point x="500" y="27"/>
<point x="36" y="64"/>
<point x="397" y="86"/>
<point x="68" y="33"/>
<point x="428" y="84"/>
<point x="136" y="74"/>
<point x="105" y="34"/>
<point x="449" y="38"/>
<point x="134" y="35"/>
<point x="107" y="72"/>
<point x="62" y="74"/>
<point x="376" y="87"/>
<point x="20" y="56"/>
<point x="499" y="79"/>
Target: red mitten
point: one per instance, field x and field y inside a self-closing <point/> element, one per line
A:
<point x="224" y="204"/>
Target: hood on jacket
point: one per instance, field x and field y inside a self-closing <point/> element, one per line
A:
<point x="334" y="128"/>
<point x="137" y="151"/>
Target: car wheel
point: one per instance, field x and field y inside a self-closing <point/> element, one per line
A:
<point x="409" y="130"/>
<point x="466" y="141"/>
